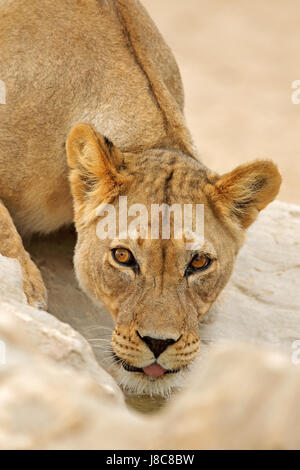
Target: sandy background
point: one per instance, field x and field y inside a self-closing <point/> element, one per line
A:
<point x="238" y="60"/>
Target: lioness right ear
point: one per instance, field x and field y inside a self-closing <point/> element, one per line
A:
<point x="240" y="195"/>
<point x="94" y="163"/>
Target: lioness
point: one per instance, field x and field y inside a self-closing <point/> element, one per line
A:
<point x="94" y="80"/>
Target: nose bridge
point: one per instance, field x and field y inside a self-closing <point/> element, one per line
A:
<point x="161" y="318"/>
<point x="161" y="266"/>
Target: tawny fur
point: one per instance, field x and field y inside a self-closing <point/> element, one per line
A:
<point x="93" y="68"/>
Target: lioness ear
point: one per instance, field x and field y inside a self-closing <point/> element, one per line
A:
<point x="245" y="191"/>
<point x="94" y="163"/>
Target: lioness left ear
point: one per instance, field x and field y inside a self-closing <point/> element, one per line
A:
<point x="245" y="191"/>
<point x="94" y="163"/>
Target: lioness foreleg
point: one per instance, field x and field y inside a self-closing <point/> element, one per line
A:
<point x="11" y="246"/>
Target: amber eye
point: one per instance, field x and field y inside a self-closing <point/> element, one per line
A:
<point x="123" y="256"/>
<point x="198" y="263"/>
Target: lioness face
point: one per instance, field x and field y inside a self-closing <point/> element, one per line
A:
<point x="158" y="289"/>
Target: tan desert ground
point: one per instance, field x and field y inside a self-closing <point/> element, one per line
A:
<point x="238" y="60"/>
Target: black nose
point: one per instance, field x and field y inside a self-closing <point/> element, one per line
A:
<point x="157" y="346"/>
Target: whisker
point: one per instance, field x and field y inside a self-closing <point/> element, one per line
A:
<point x="103" y="347"/>
<point x="99" y="332"/>
<point x="99" y="348"/>
<point x="109" y="361"/>
<point x="107" y="358"/>
<point x="97" y="327"/>
<point x="102" y="340"/>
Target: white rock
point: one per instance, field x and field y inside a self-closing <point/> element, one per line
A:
<point x="45" y="404"/>
<point x="245" y="397"/>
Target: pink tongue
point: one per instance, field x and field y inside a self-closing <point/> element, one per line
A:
<point x="154" y="370"/>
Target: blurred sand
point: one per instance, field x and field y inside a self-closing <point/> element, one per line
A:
<point x="238" y="59"/>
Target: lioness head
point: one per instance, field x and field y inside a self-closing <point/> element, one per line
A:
<point x="155" y="288"/>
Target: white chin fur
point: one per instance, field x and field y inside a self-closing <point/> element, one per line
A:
<point x="138" y="383"/>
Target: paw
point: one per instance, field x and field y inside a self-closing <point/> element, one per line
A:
<point x="33" y="285"/>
